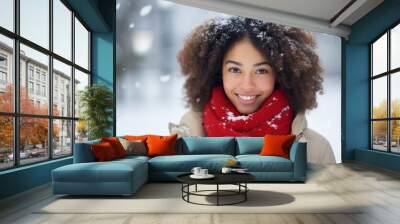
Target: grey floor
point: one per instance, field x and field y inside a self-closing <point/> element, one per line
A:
<point x="378" y="188"/>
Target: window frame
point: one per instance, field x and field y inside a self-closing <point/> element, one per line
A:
<point x="388" y="74"/>
<point x="16" y="115"/>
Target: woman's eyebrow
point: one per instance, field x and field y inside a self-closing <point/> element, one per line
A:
<point x="233" y="62"/>
<point x="261" y="63"/>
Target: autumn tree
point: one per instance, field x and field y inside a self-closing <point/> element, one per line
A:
<point x="33" y="131"/>
<point x="380" y="127"/>
<point x="6" y="122"/>
<point x="396" y="123"/>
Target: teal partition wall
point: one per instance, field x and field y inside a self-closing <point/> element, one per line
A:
<point x="99" y="15"/>
<point x="356" y="139"/>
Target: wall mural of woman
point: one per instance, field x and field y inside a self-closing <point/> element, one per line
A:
<point x="246" y="77"/>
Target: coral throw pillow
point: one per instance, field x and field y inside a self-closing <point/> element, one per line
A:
<point x="103" y="152"/>
<point x="277" y="145"/>
<point x="161" y="145"/>
<point x="116" y="145"/>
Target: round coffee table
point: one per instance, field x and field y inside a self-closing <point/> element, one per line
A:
<point x="238" y="179"/>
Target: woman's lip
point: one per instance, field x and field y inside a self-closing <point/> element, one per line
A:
<point x="246" y="99"/>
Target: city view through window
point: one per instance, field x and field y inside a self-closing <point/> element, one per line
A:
<point x="385" y="91"/>
<point x="39" y="113"/>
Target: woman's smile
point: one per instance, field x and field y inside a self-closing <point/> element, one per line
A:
<point x="247" y="99"/>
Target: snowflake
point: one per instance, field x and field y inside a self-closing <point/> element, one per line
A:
<point x="165" y="78"/>
<point x="232" y="117"/>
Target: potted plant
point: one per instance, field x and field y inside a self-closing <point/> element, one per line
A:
<point x="96" y="102"/>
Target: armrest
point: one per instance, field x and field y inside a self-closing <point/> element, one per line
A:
<point x="83" y="152"/>
<point x="298" y="155"/>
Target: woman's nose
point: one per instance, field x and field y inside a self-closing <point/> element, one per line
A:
<point x="248" y="82"/>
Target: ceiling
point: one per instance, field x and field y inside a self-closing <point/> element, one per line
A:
<point x="325" y="16"/>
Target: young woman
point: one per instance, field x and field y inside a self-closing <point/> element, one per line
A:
<point x="246" y="77"/>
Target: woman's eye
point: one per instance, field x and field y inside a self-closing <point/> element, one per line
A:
<point x="262" y="71"/>
<point x="234" y="70"/>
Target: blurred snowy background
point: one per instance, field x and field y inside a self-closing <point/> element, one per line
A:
<point x="150" y="94"/>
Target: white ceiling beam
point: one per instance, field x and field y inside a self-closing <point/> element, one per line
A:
<point x="270" y="15"/>
<point x="348" y="12"/>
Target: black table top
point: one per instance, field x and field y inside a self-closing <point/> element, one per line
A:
<point x="220" y="178"/>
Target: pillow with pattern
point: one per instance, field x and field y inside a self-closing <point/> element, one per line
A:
<point x="134" y="147"/>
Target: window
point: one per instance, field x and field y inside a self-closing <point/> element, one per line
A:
<point x="3" y="78"/>
<point x="62" y="137"/>
<point x="7" y="72"/>
<point x="6" y="142"/>
<point x="385" y="94"/>
<point x="3" y="72"/>
<point x="44" y="91"/>
<point x="62" y="32"/>
<point x="81" y="45"/>
<point x="30" y="72"/>
<point x="47" y="76"/>
<point x="37" y="74"/>
<point x="35" y="21"/>
<point x="81" y="81"/>
<point x="3" y="61"/>
<point x="37" y="89"/>
<point x="7" y="14"/>
<point x="30" y="87"/>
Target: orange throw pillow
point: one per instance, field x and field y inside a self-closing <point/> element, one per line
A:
<point x="103" y="152"/>
<point x="116" y="145"/>
<point x="277" y="145"/>
<point x="161" y="145"/>
<point x="135" y="138"/>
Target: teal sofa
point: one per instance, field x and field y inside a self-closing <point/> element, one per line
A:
<point x="125" y="176"/>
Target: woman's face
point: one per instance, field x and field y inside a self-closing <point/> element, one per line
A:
<point x="247" y="76"/>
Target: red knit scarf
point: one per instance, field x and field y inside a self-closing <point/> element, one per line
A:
<point x="220" y="117"/>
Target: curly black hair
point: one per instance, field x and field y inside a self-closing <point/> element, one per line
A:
<point x="290" y="50"/>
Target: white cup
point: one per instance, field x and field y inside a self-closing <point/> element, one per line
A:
<point x="226" y="170"/>
<point x="203" y="172"/>
<point x="196" y="171"/>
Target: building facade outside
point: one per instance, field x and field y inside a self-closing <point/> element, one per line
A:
<point x="34" y="99"/>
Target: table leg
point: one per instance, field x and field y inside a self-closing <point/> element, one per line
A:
<point x="196" y="188"/>
<point x="188" y="190"/>
<point x="182" y="189"/>
<point x="245" y="193"/>
<point x="217" y="194"/>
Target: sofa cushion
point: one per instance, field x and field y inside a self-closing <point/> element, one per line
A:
<point x="111" y="171"/>
<point x="257" y="163"/>
<point x="249" y="145"/>
<point x="185" y="163"/>
<point x="132" y="159"/>
<point x="206" y="145"/>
